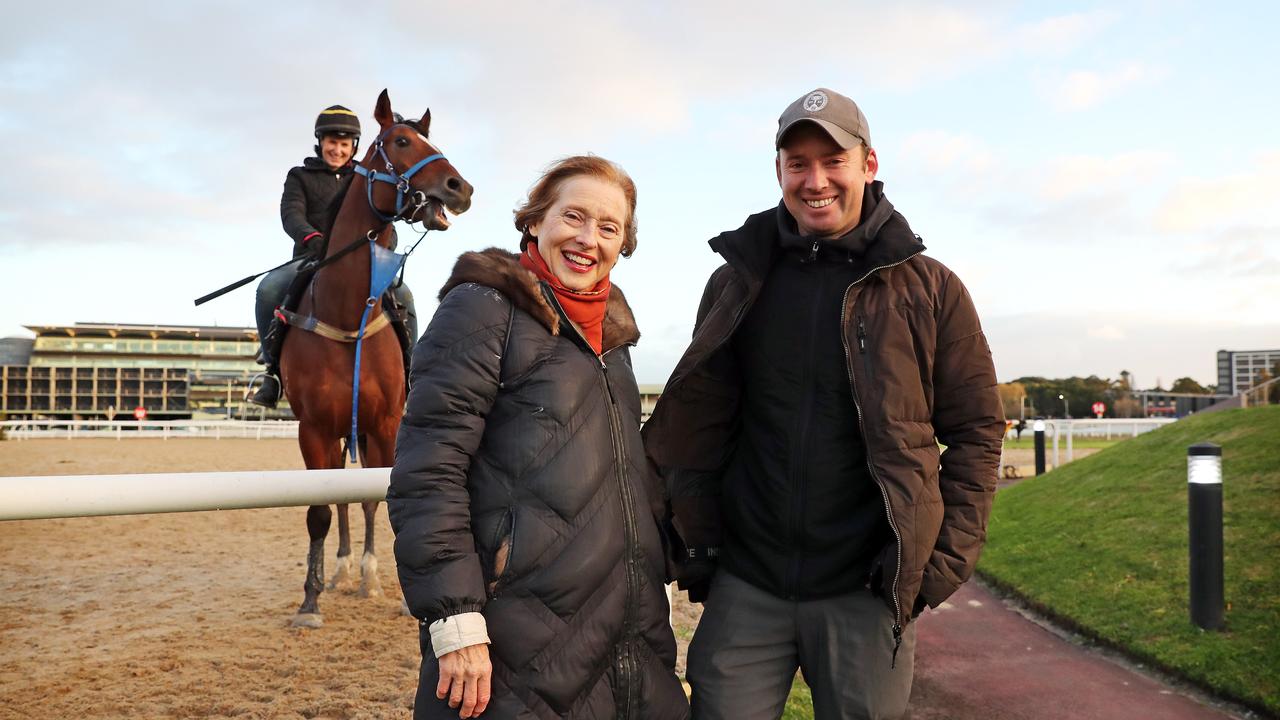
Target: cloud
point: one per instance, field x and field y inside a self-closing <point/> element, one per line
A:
<point x="1063" y="33"/>
<point x="936" y="152"/>
<point x="1106" y="332"/>
<point x="1084" y="89"/>
<point x="140" y="124"/>
<point x="1070" y="176"/>
<point x="1197" y="205"/>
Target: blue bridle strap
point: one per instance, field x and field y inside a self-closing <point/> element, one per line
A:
<point x="392" y="177"/>
<point x="383" y="266"/>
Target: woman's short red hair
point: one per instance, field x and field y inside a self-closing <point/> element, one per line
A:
<point x="547" y="189"/>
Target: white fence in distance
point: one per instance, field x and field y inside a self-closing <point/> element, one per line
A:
<point x="1060" y="432"/>
<point x="260" y="429"/>
<point x="164" y="429"/>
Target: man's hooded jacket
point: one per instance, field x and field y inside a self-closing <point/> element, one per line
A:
<point x="920" y="377"/>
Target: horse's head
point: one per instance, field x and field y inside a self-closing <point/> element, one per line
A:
<point x="417" y="182"/>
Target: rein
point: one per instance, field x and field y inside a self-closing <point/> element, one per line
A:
<point x="245" y="281"/>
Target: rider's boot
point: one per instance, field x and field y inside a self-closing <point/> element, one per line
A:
<point x="268" y="393"/>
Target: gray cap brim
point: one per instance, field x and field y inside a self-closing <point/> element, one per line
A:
<point x="846" y="140"/>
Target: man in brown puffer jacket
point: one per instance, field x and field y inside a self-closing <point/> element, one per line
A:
<point x="799" y="437"/>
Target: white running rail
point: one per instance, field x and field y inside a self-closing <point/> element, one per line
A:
<point x="63" y="496"/>
<point x="165" y="429"/>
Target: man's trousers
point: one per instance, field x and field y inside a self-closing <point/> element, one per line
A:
<point x="749" y="643"/>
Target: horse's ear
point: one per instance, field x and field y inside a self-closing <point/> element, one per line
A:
<point x="425" y="122"/>
<point x="382" y="113"/>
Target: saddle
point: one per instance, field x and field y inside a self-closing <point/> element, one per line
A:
<point x="393" y="311"/>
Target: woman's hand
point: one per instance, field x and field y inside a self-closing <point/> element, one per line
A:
<point x="464" y="679"/>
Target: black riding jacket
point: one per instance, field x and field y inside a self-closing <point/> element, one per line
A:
<point x="304" y="205"/>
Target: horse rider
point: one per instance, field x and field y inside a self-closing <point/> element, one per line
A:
<point x="309" y="189"/>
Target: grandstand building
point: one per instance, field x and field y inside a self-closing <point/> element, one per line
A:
<point x="98" y="370"/>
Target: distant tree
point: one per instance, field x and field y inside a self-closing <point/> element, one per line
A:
<point x="1187" y="385"/>
<point x="1125" y="383"/>
<point x="1079" y="393"/>
<point x="1127" y="407"/>
<point x="1272" y="394"/>
<point x="1011" y="397"/>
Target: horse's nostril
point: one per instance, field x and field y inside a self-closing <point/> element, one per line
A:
<point x="454" y="184"/>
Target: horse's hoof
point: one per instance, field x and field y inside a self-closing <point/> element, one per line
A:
<point x="370" y="586"/>
<point x="344" y="577"/>
<point x="307" y="620"/>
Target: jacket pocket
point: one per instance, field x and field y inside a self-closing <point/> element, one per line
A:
<point x="503" y="541"/>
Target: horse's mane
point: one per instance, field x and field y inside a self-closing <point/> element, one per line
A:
<point x="416" y="125"/>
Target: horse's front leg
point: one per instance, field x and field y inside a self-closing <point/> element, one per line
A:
<point x="370" y="586"/>
<point x="344" y="576"/>
<point x="317" y="452"/>
<point x="378" y="449"/>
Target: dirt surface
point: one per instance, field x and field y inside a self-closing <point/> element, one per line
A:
<point x="186" y="615"/>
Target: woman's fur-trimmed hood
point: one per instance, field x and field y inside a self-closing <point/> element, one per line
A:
<point x="502" y="271"/>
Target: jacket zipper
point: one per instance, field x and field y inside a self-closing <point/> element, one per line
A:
<point x="798" y="470"/>
<point x="627" y="659"/>
<point x="884" y="494"/>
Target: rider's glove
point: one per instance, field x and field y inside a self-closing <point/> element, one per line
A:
<point x="313" y="245"/>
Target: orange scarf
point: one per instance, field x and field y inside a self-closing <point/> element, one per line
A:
<point x="586" y="308"/>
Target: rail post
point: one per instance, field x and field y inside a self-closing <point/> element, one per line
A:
<point x="1071" y="433"/>
<point x="1204" y="518"/>
<point x="1039" y="430"/>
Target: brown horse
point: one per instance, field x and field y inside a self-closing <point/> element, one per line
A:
<point x="318" y="371"/>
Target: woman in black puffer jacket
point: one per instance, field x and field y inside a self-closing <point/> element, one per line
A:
<point x="527" y="520"/>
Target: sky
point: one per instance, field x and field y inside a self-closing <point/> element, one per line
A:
<point x="1104" y="177"/>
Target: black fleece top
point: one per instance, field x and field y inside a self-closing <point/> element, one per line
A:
<point x="804" y="518"/>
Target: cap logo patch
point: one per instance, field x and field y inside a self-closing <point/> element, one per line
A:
<point x="815" y="101"/>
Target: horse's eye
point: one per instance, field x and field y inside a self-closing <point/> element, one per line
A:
<point x="402" y="142"/>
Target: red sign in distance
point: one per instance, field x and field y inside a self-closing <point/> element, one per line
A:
<point x="140" y="413"/>
<point x="1099" y="408"/>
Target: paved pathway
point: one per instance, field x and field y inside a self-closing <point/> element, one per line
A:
<point x="979" y="659"/>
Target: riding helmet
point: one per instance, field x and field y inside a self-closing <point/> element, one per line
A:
<point x="337" y="120"/>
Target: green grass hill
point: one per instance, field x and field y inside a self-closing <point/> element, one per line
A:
<point x="1101" y="545"/>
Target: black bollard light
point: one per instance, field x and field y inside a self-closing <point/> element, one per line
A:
<point x="1039" y="428"/>
<point x="1204" y="504"/>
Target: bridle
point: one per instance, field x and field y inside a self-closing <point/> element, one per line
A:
<point x="417" y="200"/>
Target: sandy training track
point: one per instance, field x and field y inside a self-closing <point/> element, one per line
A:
<point x="186" y="614"/>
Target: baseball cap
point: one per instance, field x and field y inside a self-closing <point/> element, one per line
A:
<point x="836" y="114"/>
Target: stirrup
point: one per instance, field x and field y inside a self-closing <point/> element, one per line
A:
<point x="268" y="392"/>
